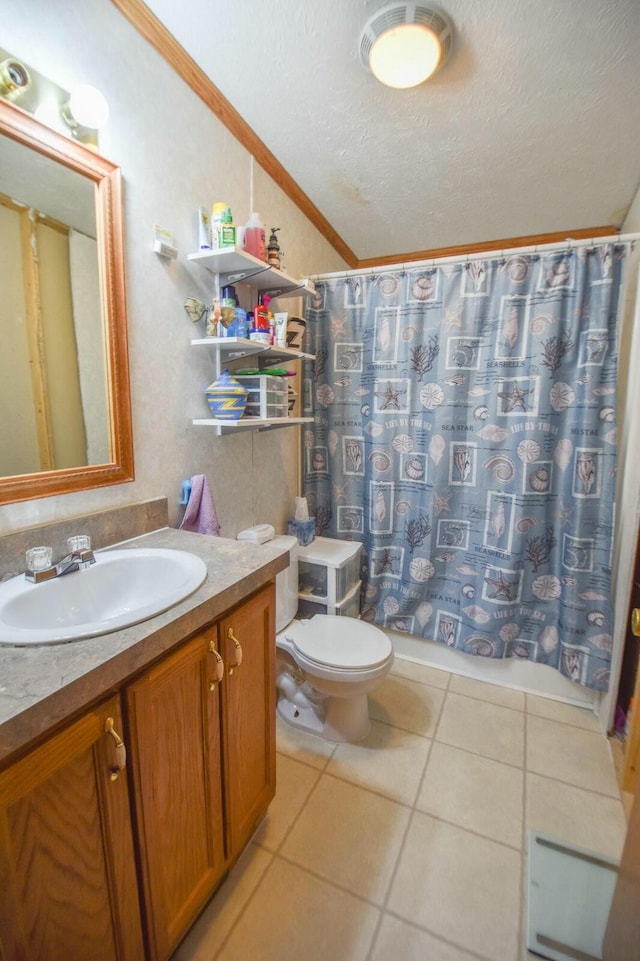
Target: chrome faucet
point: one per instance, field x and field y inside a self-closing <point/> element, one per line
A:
<point x="75" y="561"/>
<point x="40" y="568"/>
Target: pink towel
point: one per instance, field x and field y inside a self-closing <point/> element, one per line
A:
<point x="200" y="515"/>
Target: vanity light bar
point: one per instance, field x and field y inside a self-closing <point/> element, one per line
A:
<point x="49" y="103"/>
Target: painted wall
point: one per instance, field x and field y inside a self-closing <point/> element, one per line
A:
<point x="175" y="156"/>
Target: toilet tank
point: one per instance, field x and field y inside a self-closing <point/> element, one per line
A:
<point x="286" y="582"/>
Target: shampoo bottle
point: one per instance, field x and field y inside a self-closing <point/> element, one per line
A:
<point x="260" y="315"/>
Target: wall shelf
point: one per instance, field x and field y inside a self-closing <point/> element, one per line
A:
<point x="250" y="423"/>
<point x="235" y="266"/>
<point x="230" y="349"/>
<point x="234" y="348"/>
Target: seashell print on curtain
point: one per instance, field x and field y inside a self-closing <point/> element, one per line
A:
<point x="464" y="431"/>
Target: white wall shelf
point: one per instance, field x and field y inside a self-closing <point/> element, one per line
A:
<point x="249" y="423"/>
<point x="227" y="350"/>
<point x="234" y="348"/>
<point x="235" y="266"/>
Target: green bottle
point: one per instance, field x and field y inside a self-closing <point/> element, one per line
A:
<point x="227" y="229"/>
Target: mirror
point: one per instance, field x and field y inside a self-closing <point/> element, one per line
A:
<point x="65" y="412"/>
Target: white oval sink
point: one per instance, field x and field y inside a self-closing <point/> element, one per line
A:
<point x="122" y="588"/>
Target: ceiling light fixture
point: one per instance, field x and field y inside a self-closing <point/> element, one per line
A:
<point x="405" y="43"/>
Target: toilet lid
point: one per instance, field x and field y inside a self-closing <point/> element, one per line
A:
<point x="341" y="642"/>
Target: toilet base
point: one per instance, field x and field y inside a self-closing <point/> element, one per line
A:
<point x="343" y="719"/>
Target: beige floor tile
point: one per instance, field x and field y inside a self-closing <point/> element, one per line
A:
<point x="390" y="761"/>
<point x="302" y="746"/>
<point x="576" y="816"/>
<point x="407" y="704"/>
<point x="217" y="919"/>
<point x="494" y="693"/>
<point x="295" y="916"/>
<point x="420" y="672"/>
<point x="399" y="941"/>
<point x="483" y="728"/>
<point x="570" y="754"/>
<point x="566" y="713"/>
<point x="475" y="792"/>
<point x="294" y="783"/>
<point x="460" y="886"/>
<point x="349" y="836"/>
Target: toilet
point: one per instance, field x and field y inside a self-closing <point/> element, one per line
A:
<point x="326" y="665"/>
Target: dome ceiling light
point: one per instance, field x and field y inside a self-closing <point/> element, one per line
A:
<point x="405" y="43"/>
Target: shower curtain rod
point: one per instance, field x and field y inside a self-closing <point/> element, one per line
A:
<point x="488" y="254"/>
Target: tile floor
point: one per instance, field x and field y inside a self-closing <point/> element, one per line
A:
<point x="410" y="846"/>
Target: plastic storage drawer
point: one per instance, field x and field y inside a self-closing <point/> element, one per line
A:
<point x="266" y="396"/>
<point x="349" y="606"/>
<point x="329" y="569"/>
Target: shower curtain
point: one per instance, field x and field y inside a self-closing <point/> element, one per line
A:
<point x="464" y="431"/>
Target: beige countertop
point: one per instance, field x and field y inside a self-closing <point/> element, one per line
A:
<point x="41" y="687"/>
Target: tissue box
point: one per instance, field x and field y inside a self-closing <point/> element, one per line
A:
<point x="305" y="531"/>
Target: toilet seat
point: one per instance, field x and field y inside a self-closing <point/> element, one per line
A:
<point x="344" y="644"/>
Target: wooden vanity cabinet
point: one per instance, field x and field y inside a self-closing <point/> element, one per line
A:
<point x="201" y="727"/>
<point x="174" y="730"/>
<point x="92" y="856"/>
<point x="248" y="701"/>
<point x="68" y="886"/>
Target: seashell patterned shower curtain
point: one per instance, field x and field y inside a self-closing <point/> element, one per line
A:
<point x="464" y="431"/>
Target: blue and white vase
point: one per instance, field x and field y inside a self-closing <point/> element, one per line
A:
<point x="227" y="398"/>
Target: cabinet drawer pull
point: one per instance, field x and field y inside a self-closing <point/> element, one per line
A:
<point x="238" y="648"/>
<point x="219" y="666"/>
<point x="635" y="621"/>
<point x="121" y="751"/>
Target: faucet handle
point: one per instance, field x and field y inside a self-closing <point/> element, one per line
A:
<point x="39" y="564"/>
<point x="39" y="558"/>
<point x="78" y="542"/>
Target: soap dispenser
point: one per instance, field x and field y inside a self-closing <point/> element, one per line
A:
<point x="273" y="249"/>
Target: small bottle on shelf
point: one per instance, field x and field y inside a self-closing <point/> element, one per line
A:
<point x="260" y="315"/>
<point x="227" y="229"/>
<point x="273" y="249"/>
<point x="216" y="224"/>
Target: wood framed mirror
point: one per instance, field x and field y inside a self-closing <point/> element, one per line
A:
<point x="65" y="417"/>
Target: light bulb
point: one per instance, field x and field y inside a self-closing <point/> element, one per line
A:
<point x="405" y="55"/>
<point x="48" y="113"/>
<point x="88" y="107"/>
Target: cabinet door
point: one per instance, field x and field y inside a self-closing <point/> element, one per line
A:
<point x="67" y="871"/>
<point x="247" y="636"/>
<point x="174" y="723"/>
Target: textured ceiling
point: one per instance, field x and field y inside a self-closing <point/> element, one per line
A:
<point x="532" y="126"/>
